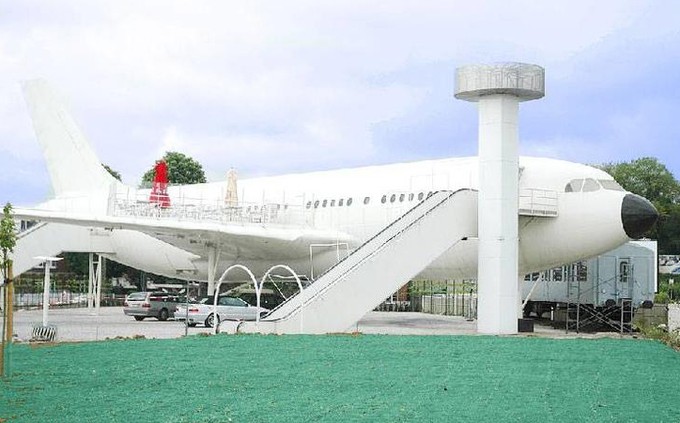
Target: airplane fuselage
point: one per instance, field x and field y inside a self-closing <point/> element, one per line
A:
<point x="309" y="221"/>
<point x="360" y="202"/>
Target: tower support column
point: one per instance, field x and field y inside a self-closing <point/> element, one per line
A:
<point x="498" y="90"/>
<point x="498" y="214"/>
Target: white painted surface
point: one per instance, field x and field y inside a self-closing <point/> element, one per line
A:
<point x="497" y="267"/>
<point x="586" y="223"/>
<point x="498" y="89"/>
<point x="50" y="239"/>
<point x="46" y="287"/>
<point x="73" y="167"/>
<point x="522" y="80"/>
<point x="339" y="298"/>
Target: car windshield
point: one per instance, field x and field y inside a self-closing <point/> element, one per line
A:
<point x="137" y="296"/>
<point x="207" y="300"/>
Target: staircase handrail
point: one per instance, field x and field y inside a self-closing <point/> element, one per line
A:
<point x="439" y="197"/>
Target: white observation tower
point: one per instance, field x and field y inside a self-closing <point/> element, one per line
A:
<point x="497" y="89"/>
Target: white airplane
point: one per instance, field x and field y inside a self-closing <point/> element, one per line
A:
<point x="309" y="221"/>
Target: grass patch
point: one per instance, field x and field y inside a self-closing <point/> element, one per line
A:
<point x="343" y="378"/>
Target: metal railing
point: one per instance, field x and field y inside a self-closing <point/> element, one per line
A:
<point x="188" y="209"/>
<point x="538" y="202"/>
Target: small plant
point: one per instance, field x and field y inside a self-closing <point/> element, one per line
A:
<point x="660" y="332"/>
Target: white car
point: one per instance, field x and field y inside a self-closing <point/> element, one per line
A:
<point x="228" y="308"/>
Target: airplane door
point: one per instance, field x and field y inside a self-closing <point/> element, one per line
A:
<point x="624" y="278"/>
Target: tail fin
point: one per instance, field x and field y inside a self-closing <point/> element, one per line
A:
<point x="74" y="168"/>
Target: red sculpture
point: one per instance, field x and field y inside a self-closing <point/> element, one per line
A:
<point x="159" y="191"/>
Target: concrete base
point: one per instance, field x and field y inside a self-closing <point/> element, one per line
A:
<point x="673" y="317"/>
<point x="525" y="325"/>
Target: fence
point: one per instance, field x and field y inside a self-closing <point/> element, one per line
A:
<point x="63" y="299"/>
<point x="64" y="293"/>
<point x="450" y="298"/>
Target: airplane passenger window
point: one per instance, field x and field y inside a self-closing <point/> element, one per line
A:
<point x="420" y="196"/>
<point x="410" y="196"/>
<point x="429" y="194"/>
<point x="366" y="200"/>
<point x="392" y="198"/>
<point x="383" y="199"/>
<point x="309" y="204"/>
<point x="324" y="203"/>
<point x="590" y="185"/>
<point x="316" y="204"/>
<point x="341" y="202"/>
<point x="611" y="185"/>
<point x="332" y="203"/>
<point x="401" y="198"/>
<point x="349" y="201"/>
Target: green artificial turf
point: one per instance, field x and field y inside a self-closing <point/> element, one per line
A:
<point x="253" y="378"/>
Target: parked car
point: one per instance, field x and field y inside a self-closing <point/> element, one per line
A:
<point x="228" y="308"/>
<point x="269" y="300"/>
<point x="141" y="305"/>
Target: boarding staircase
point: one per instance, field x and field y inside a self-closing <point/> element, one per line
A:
<point x="341" y="296"/>
<point x="50" y="239"/>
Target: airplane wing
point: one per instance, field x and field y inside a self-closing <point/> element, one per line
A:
<point x="249" y="240"/>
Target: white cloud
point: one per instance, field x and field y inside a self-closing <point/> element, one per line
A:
<point x="284" y="86"/>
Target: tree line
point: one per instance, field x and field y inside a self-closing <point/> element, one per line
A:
<point x="651" y="179"/>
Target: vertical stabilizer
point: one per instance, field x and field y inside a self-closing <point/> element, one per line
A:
<point x="74" y="168"/>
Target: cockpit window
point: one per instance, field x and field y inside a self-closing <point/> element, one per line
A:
<point x="574" y="185"/>
<point x="590" y="185"/>
<point x="611" y="184"/>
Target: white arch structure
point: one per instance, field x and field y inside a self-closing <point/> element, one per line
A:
<point x="217" y="292"/>
<point x="299" y="283"/>
<point x="258" y="290"/>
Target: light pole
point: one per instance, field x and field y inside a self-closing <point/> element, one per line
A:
<point x="46" y="332"/>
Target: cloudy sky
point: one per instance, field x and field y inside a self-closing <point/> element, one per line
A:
<point x="290" y="86"/>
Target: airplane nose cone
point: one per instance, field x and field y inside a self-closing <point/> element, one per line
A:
<point x="637" y="215"/>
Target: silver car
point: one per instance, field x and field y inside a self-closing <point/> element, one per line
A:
<point x="141" y="305"/>
<point x="228" y="308"/>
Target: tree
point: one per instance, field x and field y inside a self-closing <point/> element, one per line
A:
<point x="182" y="170"/>
<point x="648" y="178"/>
<point x="651" y="179"/>
<point x="112" y="172"/>
<point x="8" y="239"/>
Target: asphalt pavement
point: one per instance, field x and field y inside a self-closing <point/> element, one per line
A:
<point x="81" y="324"/>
